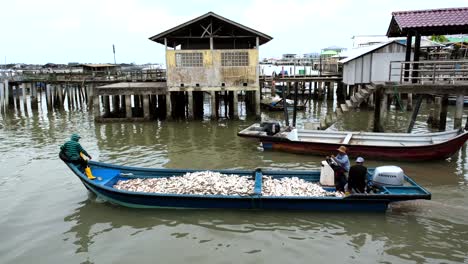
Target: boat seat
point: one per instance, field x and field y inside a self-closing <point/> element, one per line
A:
<point x="347" y="138"/>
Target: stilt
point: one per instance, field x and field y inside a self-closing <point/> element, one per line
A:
<point x="443" y="113"/>
<point x="409" y="105"/>
<point x="146" y="110"/>
<point x="96" y="108"/>
<point x="128" y="106"/>
<point x="168" y="106"/>
<point x="235" y="105"/>
<point x="190" y="105"/>
<point x="437" y="112"/>
<point x="458" y="112"/>
<point x="380" y="106"/>
<point x="106" y="105"/>
<point x="213" y="104"/>
<point x="257" y="105"/>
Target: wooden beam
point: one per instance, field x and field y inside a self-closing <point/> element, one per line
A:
<point x="427" y="88"/>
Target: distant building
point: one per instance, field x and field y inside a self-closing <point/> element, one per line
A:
<point x="211" y="51"/>
<point x="370" y="64"/>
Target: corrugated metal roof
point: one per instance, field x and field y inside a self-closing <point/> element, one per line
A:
<point x="432" y="17"/>
<point x="431" y="21"/>
<point x="359" y="52"/>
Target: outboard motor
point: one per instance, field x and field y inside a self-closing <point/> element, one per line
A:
<point x="388" y="176"/>
<point x="271" y="128"/>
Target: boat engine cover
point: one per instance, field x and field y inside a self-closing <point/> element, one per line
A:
<point x="388" y="176"/>
<point x="271" y="128"/>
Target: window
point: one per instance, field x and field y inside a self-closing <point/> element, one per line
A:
<point x="189" y="59"/>
<point x="235" y="59"/>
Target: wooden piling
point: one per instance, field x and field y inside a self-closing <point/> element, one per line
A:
<point x="379" y="105"/>
<point x="443" y="113"/>
<point x="146" y="110"/>
<point x="409" y="103"/>
<point x="437" y="112"/>
<point x="458" y="112"/>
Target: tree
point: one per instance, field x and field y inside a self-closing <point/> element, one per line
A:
<point x="439" y="38"/>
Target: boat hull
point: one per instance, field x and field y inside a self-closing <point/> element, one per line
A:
<point x="108" y="174"/>
<point x="382" y="146"/>
<point x="413" y="153"/>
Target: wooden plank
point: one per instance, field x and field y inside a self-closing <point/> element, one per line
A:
<point x="347" y="138"/>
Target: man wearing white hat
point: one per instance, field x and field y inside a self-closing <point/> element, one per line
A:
<point x="357" y="177"/>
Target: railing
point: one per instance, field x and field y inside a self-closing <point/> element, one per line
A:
<point x="96" y="76"/>
<point x="427" y="72"/>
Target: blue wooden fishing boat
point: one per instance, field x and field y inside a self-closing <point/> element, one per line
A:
<point x="108" y="175"/>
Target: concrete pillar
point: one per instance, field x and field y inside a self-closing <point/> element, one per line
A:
<point x="128" y="106"/>
<point x="33" y="96"/>
<point x="458" y="111"/>
<point x="235" y="106"/>
<point x="190" y="105"/>
<point x="68" y="94"/>
<point x="2" y="96"/>
<point x="90" y="95"/>
<point x="257" y="105"/>
<point x="409" y="105"/>
<point x="168" y="106"/>
<point x="5" y="93"/>
<point x="213" y="104"/>
<point x="146" y="109"/>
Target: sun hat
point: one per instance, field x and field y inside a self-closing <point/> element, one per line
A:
<point x="360" y="159"/>
<point x="342" y="149"/>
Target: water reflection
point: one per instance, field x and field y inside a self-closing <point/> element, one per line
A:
<point x="401" y="234"/>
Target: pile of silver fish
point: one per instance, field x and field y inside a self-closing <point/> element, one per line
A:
<point x="202" y="182"/>
<point x="215" y="183"/>
<point x="293" y="187"/>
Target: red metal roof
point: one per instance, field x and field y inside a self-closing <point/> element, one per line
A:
<point x="428" y="22"/>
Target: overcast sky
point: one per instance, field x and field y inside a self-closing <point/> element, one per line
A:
<point x="62" y="31"/>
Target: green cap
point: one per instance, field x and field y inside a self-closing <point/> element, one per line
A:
<point x="75" y="137"/>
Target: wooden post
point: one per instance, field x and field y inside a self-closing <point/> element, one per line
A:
<point x="415" y="113"/>
<point x="458" y="112"/>
<point x="190" y="105"/>
<point x="33" y="96"/>
<point x="379" y="96"/>
<point x="128" y="106"/>
<point x="273" y="88"/>
<point x="213" y="104"/>
<point x="443" y="113"/>
<point x="437" y="112"/>
<point x="168" y="106"/>
<point x="23" y="90"/>
<point x="417" y="48"/>
<point x="96" y="108"/>
<point x="60" y="95"/>
<point x="106" y="104"/>
<point x="295" y="104"/>
<point x="409" y="39"/>
<point x="409" y="105"/>
<point x="48" y="96"/>
<point x="146" y="109"/>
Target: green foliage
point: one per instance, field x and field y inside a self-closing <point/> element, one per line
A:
<point x="439" y="38"/>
